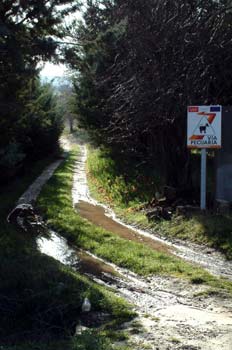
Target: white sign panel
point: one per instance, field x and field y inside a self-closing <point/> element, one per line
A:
<point x="204" y="127"/>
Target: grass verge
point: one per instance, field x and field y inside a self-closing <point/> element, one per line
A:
<point x="55" y="202"/>
<point x="40" y="299"/>
<point x="127" y="193"/>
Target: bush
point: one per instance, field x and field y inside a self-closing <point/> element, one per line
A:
<point x="42" y="123"/>
<point x="11" y="158"/>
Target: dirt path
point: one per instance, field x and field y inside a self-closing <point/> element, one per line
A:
<point x="96" y="215"/>
<point x="172" y="313"/>
<point x="103" y="216"/>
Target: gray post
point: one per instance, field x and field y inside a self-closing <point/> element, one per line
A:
<point x="203" y="178"/>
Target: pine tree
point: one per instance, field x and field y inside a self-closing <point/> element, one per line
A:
<point x="29" y="33"/>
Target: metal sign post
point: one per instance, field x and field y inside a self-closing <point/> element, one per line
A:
<point x="203" y="178"/>
<point x="204" y="131"/>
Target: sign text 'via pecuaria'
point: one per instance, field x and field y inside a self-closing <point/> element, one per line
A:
<point x="204" y="127"/>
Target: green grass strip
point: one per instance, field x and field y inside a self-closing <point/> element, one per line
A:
<point x="127" y="193"/>
<point x="55" y="202"/>
<point x="38" y="295"/>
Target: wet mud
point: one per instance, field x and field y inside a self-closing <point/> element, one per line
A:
<point x="85" y="263"/>
<point x="172" y="313"/>
<point x="202" y="256"/>
<point x="97" y="215"/>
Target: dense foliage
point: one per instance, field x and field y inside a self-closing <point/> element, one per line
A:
<point x="141" y="63"/>
<point x="35" y="132"/>
<point x="29" y="31"/>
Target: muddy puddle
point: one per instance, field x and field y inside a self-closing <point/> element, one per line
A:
<point x="97" y="215"/>
<point x="170" y="315"/>
<point x="103" y="216"/>
<point x="85" y="263"/>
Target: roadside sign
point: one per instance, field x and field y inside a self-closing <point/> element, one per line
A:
<point x="204" y="127"/>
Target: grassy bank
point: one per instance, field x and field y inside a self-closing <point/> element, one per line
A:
<point x="55" y="203"/>
<point x="127" y="192"/>
<point x="40" y="299"/>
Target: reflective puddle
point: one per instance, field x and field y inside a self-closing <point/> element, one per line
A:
<point x="57" y="247"/>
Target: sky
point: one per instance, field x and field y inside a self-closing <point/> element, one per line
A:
<point x="51" y="70"/>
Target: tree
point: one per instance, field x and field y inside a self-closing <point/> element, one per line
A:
<point x="36" y="133"/>
<point x="141" y="69"/>
<point x="29" y="33"/>
<point x="67" y="104"/>
<point x="41" y="124"/>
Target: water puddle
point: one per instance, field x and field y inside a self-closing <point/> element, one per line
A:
<point x="85" y="263"/>
<point x="170" y="316"/>
<point x="101" y="215"/>
<point x="166" y="307"/>
<point x="56" y="246"/>
<point x="97" y="215"/>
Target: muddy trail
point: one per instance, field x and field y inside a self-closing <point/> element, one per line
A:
<point x="103" y="216"/>
<point x="97" y="215"/>
<point x="172" y="313"/>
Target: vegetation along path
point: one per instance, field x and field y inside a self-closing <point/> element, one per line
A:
<point x="172" y="313"/>
<point x="103" y="216"/>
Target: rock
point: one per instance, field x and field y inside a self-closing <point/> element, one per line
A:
<point x="86" y="306"/>
<point x="80" y="329"/>
<point x="159" y="213"/>
<point x="162" y="201"/>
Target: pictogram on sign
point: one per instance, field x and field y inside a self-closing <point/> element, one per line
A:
<point x="204" y="127"/>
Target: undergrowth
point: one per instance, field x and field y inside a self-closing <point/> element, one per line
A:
<point x="212" y="230"/>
